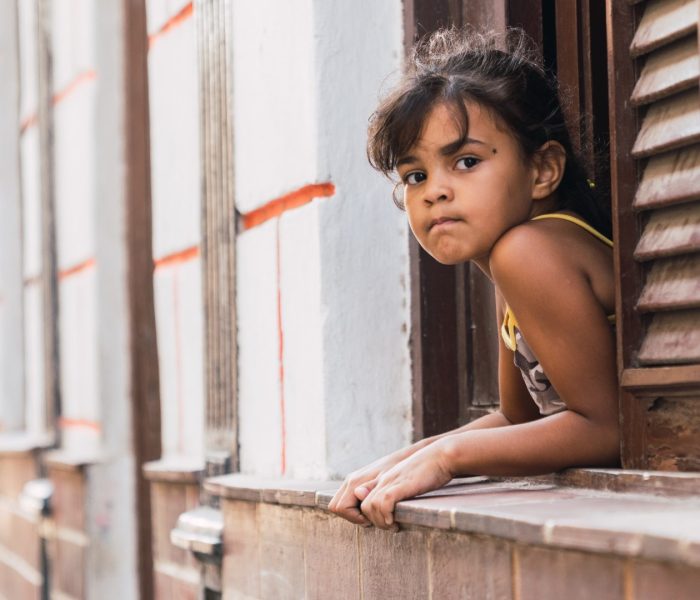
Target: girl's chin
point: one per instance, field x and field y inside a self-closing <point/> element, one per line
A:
<point x="448" y="258"/>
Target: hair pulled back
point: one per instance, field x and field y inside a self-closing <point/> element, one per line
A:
<point x="501" y="72"/>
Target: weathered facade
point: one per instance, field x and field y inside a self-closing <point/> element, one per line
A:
<point x="211" y="310"/>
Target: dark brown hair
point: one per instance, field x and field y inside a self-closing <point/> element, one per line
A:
<point x="501" y="72"/>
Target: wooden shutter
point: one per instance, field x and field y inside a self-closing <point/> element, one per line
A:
<point x="669" y="192"/>
<point x="659" y="226"/>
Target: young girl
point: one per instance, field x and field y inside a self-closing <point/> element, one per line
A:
<point x="476" y="134"/>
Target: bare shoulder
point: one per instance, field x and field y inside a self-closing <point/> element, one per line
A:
<point x="530" y="250"/>
<point x="550" y="252"/>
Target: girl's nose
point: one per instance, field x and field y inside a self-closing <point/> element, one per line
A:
<point x="438" y="191"/>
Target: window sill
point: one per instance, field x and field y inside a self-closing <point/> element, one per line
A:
<point x="547" y="511"/>
<point x="174" y="470"/>
<point x="22" y="442"/>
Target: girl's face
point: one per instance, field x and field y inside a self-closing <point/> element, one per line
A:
<point x="460" y="201"/>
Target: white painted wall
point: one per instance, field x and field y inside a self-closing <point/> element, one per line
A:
<point x="274" y="99"/>
<point x="12" y="417"/>
<point x="306" y="78"/>
<point x="111" y="567"/>
<point x="72" y="39"/>
<point x="75" y="200"/>
<point x="35" y="406"/>
<point x="364" y="239"/>
<point x="160" y="11"/>
<point x="175" y="173"/>
<point x="259" y="396"/>
<point x="176" y="204"/>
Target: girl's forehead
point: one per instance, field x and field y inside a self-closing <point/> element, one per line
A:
<point x="446" y="123"/>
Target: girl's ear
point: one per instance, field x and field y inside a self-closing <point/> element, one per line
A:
<point x="549" y="162"/>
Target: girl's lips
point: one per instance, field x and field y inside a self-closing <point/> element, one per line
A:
<point x="442" y="221"/>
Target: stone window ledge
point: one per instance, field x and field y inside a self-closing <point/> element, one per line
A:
<point x="21" y="442"/>
<point x="174" y="469"/>
<point x="71" y="460"/>
<point x="538" y="511"/>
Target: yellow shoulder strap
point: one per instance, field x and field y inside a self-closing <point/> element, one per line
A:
<point x="508" y="329"/>
<point x="578" y="222"/>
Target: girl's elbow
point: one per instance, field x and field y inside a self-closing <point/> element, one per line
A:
<point x="608" y="446"/>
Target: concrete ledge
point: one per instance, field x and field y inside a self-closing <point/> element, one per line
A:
<point x="22" y="443"/>
<point x="270" y="491"/>
<point x="662" y="483"/>
<point x="70" y="460"/>
<point x="174" y="470"/>
<point x="533" y="511"/>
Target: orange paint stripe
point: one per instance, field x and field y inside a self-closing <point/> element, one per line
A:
<point x="83" y="78"/>
<point x="65" y="423"/>
<point x="176" y="258"/>
<point x="295" y="199"/>
<point x="171" y="24"/>
<point x="75" y="269"/>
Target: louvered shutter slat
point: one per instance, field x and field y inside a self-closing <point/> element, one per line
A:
<point x="670" y="178"/>
<point x="664" y="21"/>
<point x="668" y="71"/>
<point x="672" y="284"/>
<point x="669" y="124"/>
<point x="670" y="232"/>
<point x="672" y="338"/>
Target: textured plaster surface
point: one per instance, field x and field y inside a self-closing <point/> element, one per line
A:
<point x="274" y="99"/>
<point x="303" y="95"/>
<point x="31" y="203"/>
<point x="75" y="200"/>
<point x="174" y="115"/>
<point x="74" y="155"/>
<point x="176" y="206"/>
<point x="364" y="247"/>
<point x="79" y="348"/>
<point x="303" y="320"/>
<point x="180" y="328"/>
<point x="12" y="416"/>
<point x="72" y="40"/>
<point x="159" y="12"/>
<point x="260" y="417"/>
<point x="27" y="52"/>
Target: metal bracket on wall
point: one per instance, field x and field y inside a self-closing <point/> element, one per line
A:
<point x="201" y="532"/>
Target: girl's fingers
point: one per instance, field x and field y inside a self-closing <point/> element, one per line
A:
<point x="354" y="515"/>
<point x="378" y="507"/>
<point x="345" y="504"/>
<point x="362" y="491"/>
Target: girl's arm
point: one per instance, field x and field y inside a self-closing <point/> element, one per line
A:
<point x="567" y="329"/>
<point x="516" y="407"/>
<point x="356" y="486"/>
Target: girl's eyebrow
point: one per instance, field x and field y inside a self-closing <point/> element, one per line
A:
<point x="457" y="145"/>
<point x="446" y="150"/>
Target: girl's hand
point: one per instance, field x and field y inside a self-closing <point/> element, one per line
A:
<point x="424" y="471"/>
<point x="346" y="502"/>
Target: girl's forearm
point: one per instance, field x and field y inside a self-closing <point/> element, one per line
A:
<point x="490" y="421"/>
<point x="566" y="439"/>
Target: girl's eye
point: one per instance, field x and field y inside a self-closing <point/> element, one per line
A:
<point x="467" y="162"/>
<point x="414" y="178"/>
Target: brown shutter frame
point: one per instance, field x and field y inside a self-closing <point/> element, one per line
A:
<point x="143" y="352"/>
